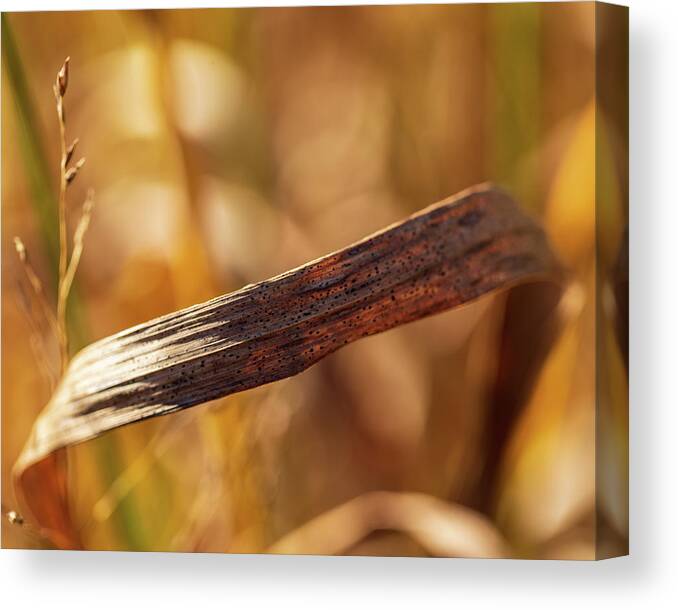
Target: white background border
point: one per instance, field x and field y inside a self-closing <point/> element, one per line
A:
<point x="649" y="576"/>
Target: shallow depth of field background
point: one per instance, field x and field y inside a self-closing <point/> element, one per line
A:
<point x="226" y="146"/>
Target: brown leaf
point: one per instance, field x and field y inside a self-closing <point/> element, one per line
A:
<point x="442" y="257"/>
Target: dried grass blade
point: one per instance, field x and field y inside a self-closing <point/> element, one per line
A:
<point x="442" y="257"/>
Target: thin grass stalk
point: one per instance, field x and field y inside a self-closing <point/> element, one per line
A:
<point x="51" y="223"/>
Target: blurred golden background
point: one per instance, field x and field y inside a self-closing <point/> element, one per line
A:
<point x="226" y="146"/>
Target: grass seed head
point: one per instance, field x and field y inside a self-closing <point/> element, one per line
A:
<point x="62" y="78"/>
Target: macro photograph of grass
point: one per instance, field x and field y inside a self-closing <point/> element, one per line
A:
<point x="317" y="280"/>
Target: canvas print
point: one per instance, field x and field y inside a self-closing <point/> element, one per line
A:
<point x="317" y="280"/>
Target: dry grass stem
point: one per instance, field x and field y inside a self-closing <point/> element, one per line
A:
<point x="35" y="283"/>
<point x="66" y="176"/>
<point x="37" y="340"/>
<point x="78" y="244"/>
<point x="66" y="274"/>
<point x="60" y="87"/>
